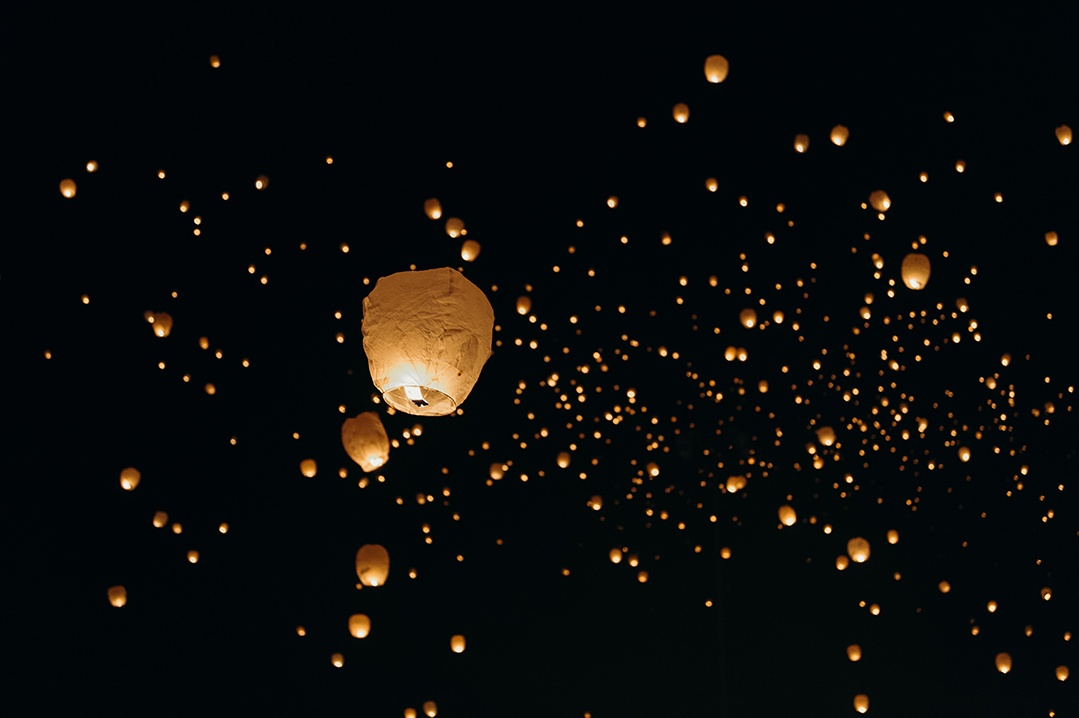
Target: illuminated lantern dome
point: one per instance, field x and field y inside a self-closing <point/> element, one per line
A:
<point x="787" y="515"/>
<point x="457" y="643"/>
<point x="1004" y="662"/>
<point x="67" y="188"/>
<point x="915" y="270"/>
<point x="840" y="134"/>
<point x="880" y="201"/>
<point x="1064" y="135"/>
<point x="359" y="625"/>
<point x="427" y="335"/>
<point x="372" y="564"/>
<point x="117" y="596"/>
<point x="365" y="440"/>
<point x="470" y="249"/>
<point x="432" y="208"/>
<point x="716" y="68"/>
<point x="858" y="549"/>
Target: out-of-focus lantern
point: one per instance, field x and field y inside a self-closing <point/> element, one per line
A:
<point x="1064" y="135"/>
<point x="457" y="643"/>
<point x="118" y="596"/>
<point x="1004" y="662"/>
<point x="365" y="440"/>
<point x="161" y="322"/>
<point x="372" y="565"/>
<point x="67" y="187"/>
<point x="840" y="134"/>
<point x="944" y="587"/>
<point x="858" y="549"/>
<point x="129" y="478"/>
<point x="1051" y="239"/>
<point x="861" y="703"/>
<point x="427" y="335"/>
<point x="915" y="270"/>
<point x="359" y="625"/>
<point x="524" y="304"/>
<point x="826" y="435"/>
<point x="652" y="468"/>
<point x="964" y="453"/>
<point x="497" y="471"/>
<point x="563" y="459"/>
<point x="880" y="201"/>
<point x="430" y="709"/>
<point x="309" y="467"/>
<point x="432" y="208"/>
<point x="262" y="182"/>
<point x="736" y="483"/>
<point x="470" y="249"/>
<point x="854" y="652"/>
<point x="596" y="502"/>
<point x="410" y="713"/>
<point x="681" y="113"/>
<point x="801" y="143"/>
<point x="615" y="555"/>
<point x="1062" y="673"/>
<point x="455" y="226"/>
<point x="893" y="536"/>
<point x="338" y="660"/>
<point x="841" y="563"/>
<point x="787" y="515"/>
<point x="716" y="68"/>
<point x="748" y="317"/>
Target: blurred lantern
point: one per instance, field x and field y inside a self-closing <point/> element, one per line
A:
<point x="736" y="483"/>
<point x="681" y="113"/>
<point x="1062" y="673"/>
<point x="359" y="625"/>
<point x="642" y="577"/>
<point x="215" y="61"/>
<point x="160" y="519"/>
<point x="427" y="335"/>
<point x="262" y="182"/>
<point x="826" y="435"/>
<point x="457" y="643"/>
<point x="915" y="270"/>
<point x="652" y="468"/>
<point x="840" y="135"/>
<point x="118" y="596"/>
<point x="455" y="227"/>
<point x="596" y="502"/>
<point x="801" y="143"/>
<point x="880" y="201"/>
<point x="748" y="317"/>
<point x="129" y="478"/>
<point x="1051" y="239"/>
<point x="1064" y="135"/>
<point x="615" y="555"/>
<point x="841" y="562"/>
<point x="861" y="702"/>
<point x="337" y="660"/>
<point x="497" y="471"/>
<point x="716" y="68"/>
<point x="563" y="459"/>
<point x="432" y="208"/>
<point x="858" y="549"/>
<point x="893" y="536"/>
<point x="524" y="304"/>
<point x="854" y="652"/>
<point x="430" y="709"/>
<point x="365" y="440"/>
<point x="1004" y="662"/>
<point x="372" y="565"/>
<point x="67" y="187"/>
<point x="787" y="515"/>
<point x="964" y="454"/>
<point x="161" y="322"/>
<point x="470" y="249"/>
<point x="410" y="713"/>
<point x="944" y="587"/>
<point x="308" y="467"/>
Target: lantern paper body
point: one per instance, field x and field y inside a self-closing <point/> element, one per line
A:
<point x="365" y="440"/>
<point x="372" y="564"/>
<point x="915" y="270"/>
<point x="716" y="68"/>
<point x="427" y="335"/>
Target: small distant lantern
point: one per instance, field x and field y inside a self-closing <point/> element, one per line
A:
<point x="1004" y="662"/>
<point x="787" y="515"/>
<point x="427" y="335"/>
<point x="117" y="596"/>
<point x="944" y="587"/>
<point x="915" y="270"/>
<point x="858" y="549"/>
<point x="596" y="502"/>
<point x="681" y="113"/>
<point x="736" y="483"/>
<point x="366" y="441"/>
<point x="309" y="467"/>
<point x="1064" y="135"/>
<point x="841" y="563"/>
<point x="432" y="208"/>
<point x="716" y="68"/>
<point x="880" y="201"/>
<point x="470" y="249"/>
<point x="129" y="478"/>
<point x="359" y="625"/>
<point x="839" y="135"/>
<point x="67" y="187"/>
<point x="372" y="565"/>
<point x="457" y="643"/>
<point x="497" y="471"/>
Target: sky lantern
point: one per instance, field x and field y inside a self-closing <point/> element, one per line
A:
<point x="563" y="459"/>
<point x="787" y="515"/>
<point x="365" y="440"/>
<point x="736" y="482"/>
<point x="338" y="660"/>
<point x="854" y="652"/>
<point x="1051" y="239"/>
<point x="309" y="467"/>
<point x="470" y="249"/>
<point x="615" y="554"/>
<point x="262" y="182"/>
<point x="1062" y="673"/>
<point x="839" y="135"/>
<point x="372" y="564"/>
<point x="1003" y="662"/>
<point x="497" y="471"/>
<point x="118" y="596"/>
<point x="67" y="187"/>
<point x="861" y="703"/>
<point x="430" y="709"/>
<point x="893" y="536"/>
<point x="129" y="478"/>
<point x="880" y="201"/>
<point x="716" y="68"/>
<point x="858" y="549"/>
<point x="457" y="643"/>
<point x="915" y="270"/>
<point x="1064" y="135"/>
<point x="596" y="502"/>
<point x="964" y="453"/>
<point x="160" y="322"/>
<point x="801" y="143"/>
<point x="359" y="625"/>
<point x="432" y="208"/>
<point x="427" y="335"/>
<point x="681" y="113"/>
<point x="455" y="226"/>
<point x="748" y="317"/>
<point x="826" y="435"/>
<point x="524" y="304"/>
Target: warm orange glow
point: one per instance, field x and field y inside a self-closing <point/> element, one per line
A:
<point x="118" y="596"/>
<point x="716" y="68"/>
<point x="67" y="187"/>
<point x="129" y="478"/>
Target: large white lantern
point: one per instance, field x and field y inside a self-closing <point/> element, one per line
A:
<point x="427" y="335"/>
<point x="365" y="440"/>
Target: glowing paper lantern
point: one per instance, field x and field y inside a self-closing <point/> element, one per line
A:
<point x="118" y="597"/>
<point x="427" y="335"/>
<point x="161" y="322"/>
<point x="372" y="565"/>
<point x="681" y="113"/>
<point x="1051" y="239"/>
<point x="470" y="249"/>
<point x="893" y="536"/>
<point x="964" y="454"/>
<point x="801" y="143"/>
<point x="826" y="435"/>
<point x="861" y="703"/>
<point x="563" y="459"/>
<point x="748" y="317"/>
<point x="524" y="304"/>
<point x="615" y="555"/>
<point x="338" y="660"/>
<point x="129" y="478"/>
<point x="915" y="270"/>
<point x="736" y="483"/>
<point x="432" y="208"/>
<point x="67" y="187"/>
<point x="365" y="440"/>
<point x="1062" y="673"/>
<point x="457" y="643"/>
<point x="839" y="136"/>
<point x="455" y="226"/>
<point x="787" y="515"/>
<point x="430" y="709"/>
<point x="854" y="652"/>
<point x="880" y="201"/>
<point x="716" y="68"/>
<point x="308" y="467"/>
<point x="858" y="549"/>
<point x="1003" y="662"/>
<point x="359" y="625"/>
<point x="1064" y="135"/>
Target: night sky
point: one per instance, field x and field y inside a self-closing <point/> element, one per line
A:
<point x="639" y="241"/>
